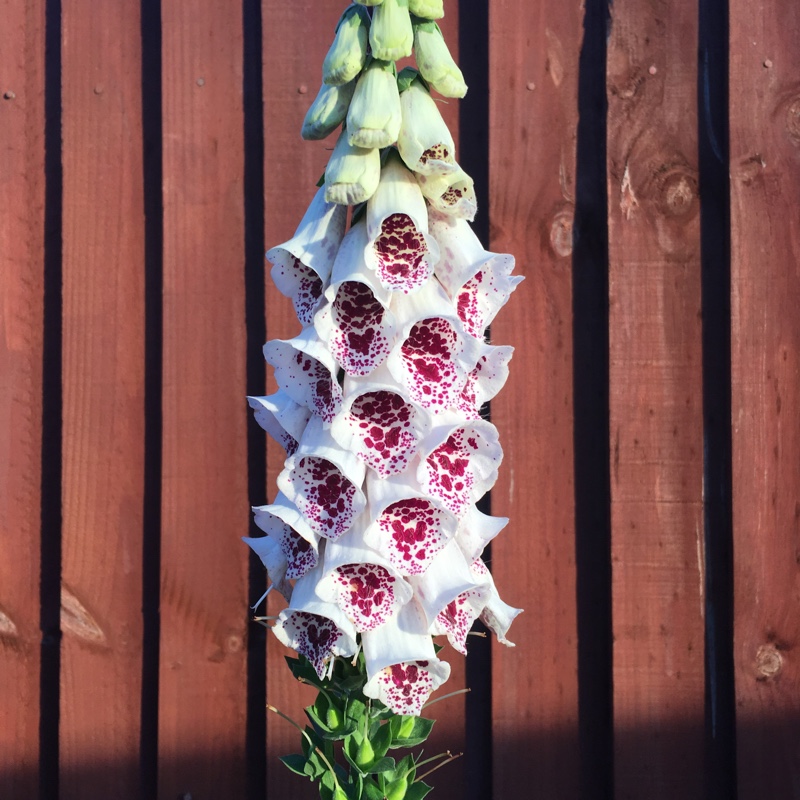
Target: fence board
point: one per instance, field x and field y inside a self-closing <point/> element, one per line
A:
<point x="103" y="419"/>
<point x="534" y="75"/>
<point x="656" y="427"/>
<point x="202" y="680"/>
<point x="21" y="307"/>
<point x="765" y="343"/>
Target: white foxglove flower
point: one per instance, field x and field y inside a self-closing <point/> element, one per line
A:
<point x="428" y="9"/>
<point x="391" y="36"/>
<point x="352" y="173"/>
<point x="406" y="524"/>
<point x="324" y="482"/>
<point x="272" y="556"/>
<point x="302" y="266"/>
<point x="361" y="581"/>
<point x="450" y="596"/>
<point x="379" y="423"/>
<point x="478" y="281"/>
<point x="399" y="247"/>
<point x="497" y="615"/>
<point x="328" y="111"/>
<point x="402" y="668"/>
<point x="485" y="381"/>
<point x="315" y="628"/>
<point x="459" y="462"/>
<point x="282" y="418"/>
<point x="373" y="119"/>
<point x="348" y="52"/>
<point x="433" y="356"/>
<point x="476" y="530"/>
<point x="452" y="193"/>
<point x="355" y="323"/>
<point x="435" y="62"/>
<point x="424" y="142"/>
<point x="368" y="2"/>
<point x="306" y="371"/>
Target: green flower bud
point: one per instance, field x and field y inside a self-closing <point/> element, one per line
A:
<point x="435" y="62"/>
<point x="424" y="141"/>
<point x="429" y="9"/>
<point x="328" y="111"/>
<point x="348" y="53"/>
<point x="339" y="794"/>
<point x="365" y="754"/>
<point x="406" y="727"/>
<point x="352" y="174"/>
<point x="374" y="117"/>
<point x="391" y="36"/>
<point x="396" y="790"/>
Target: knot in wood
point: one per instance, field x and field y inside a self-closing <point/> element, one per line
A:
<point x="561" y="232"/>
<point x="769" y="662"/>
<point x="678" y="193"/>
<point x="793" y="120"/>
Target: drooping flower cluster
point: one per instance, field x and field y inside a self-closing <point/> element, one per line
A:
<point x="375" y="531"/>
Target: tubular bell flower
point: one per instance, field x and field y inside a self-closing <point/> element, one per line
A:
<point x="429" y="9"/>
<point x="452" y="193"/>
<point x="435" y="62"/>
<point x="328" y="111"/>
<point x="373" y="119"/>
<point x="282" y="418"/>
<point x="352" y="173"/>
<point x="391" y="36"/>
<point x="348" y="52"/>
<point x="424" y="141"/>
<point x="485" y="381"/>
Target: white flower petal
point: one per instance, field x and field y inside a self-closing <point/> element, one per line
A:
<point x="424" y="142"/>
<point x="402" y="668"/>
<point x="452" y="193"/>
<point x="459" y="462"/>
<point x="361" y="581"/>
<point x="348" y="52"/>
<point x="476" y="530"/>
<point x="399" y="247"/>
<point x="497" y="615"/>
<point x="373" y="119"/>
<point x="324" y="482"/>
<point x="391" y="36"/>
<point x="268" y="549"/>
<point x="352" y="173"/>
<point x="316" y="629"/>
<point x="282" y="418"/>
<point x="328" y="110"/>
<point x="435" y="62"/>
<point x="429" y="9"/>
<point x="485" y="381"/>
<point x="302" y="266"/>
<point x="306" y="371"/>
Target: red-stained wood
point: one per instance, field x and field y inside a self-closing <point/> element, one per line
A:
<point x="533" y="118"/>
<point x="21" y="299"/>
<point x="202" y="679"/>
<point x="655" y="402"/>
<point x="103" y="396"/>
<point x="297" y="36"/>
<point x="765" y="334"/>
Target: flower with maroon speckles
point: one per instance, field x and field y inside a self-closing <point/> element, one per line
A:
<point x="282" y="418"/>
<point x="452" y="193"/>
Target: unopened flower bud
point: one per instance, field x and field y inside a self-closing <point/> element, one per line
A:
<point x="429" y="9"/>
<point x="374" y="117"/>
<point x="352" y="174"/>
<point x="369" y="2"/>
<point x="348" y="53"/>
<point x="328" y="111"/>
<point x="391" y="35"/>
<point x="435" y="62"/>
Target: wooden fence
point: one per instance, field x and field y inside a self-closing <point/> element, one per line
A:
<point x="651" y="424"/>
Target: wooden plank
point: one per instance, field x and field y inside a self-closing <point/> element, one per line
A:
<point x="655" y="402"/>
<point x="103" y="416"/>
<point x="21" y="300"/>
<point x="296" y="37"/>
<point x="765" y="343"/>
<point x="202" y="679"/>
<point x="533" y="118"/>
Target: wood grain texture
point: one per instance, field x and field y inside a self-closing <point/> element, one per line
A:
<point x="296" y="37"/>
<point x="656" y="402"/>
<point x="103" y="411"/>
<point x="765" y="344"/>
<point x="202" y="680"/>
<point x="533" y="117"/>
<point x="21" y="308"/>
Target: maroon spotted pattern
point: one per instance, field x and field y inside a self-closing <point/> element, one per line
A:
<point x="365" y="594"/>
<point x="456" y="620"/>
<point x="449" y="475"/>
<point x="289" y="443"/>
<point x="382" y="423"/>
<point x="414" y="531"/>
<point x="358" y="342"/>
<point x="467" y="402"/>
<point x="402" y="254"/>
<point x="469" y="311"/>
<point x="312" y="635"/>
<point x="325" y="394"/>
<point x="438" y="152"/>
<point x="431" y="375"/>
<point x="406" y="686"/>
<point x="307" y="295"/>
<point x="324" y="496"/>
<point x="300" y="555"/>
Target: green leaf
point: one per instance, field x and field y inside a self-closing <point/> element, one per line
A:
<point x="382" y="740"/>
<point x="420" y="729"/>
<point x="386" y="764"/>
<point x="417" y="791"/>
<point x="296" y="763"/>
<point x="407" y="76"/>
<point x="371" y="790"/>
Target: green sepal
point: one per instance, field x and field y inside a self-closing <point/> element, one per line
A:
<point x="320" y="184"/>
<point x="303" y="671"/>
<point x="385" y="764"/>
<point x="407" y="76"/>
<point x="409" y="731"/>
<point x="295" y="763"/>
<point x="371" y="790"/>
<point x="417" y="791"/>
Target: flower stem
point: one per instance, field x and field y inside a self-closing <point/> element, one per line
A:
<point x="449" y="760"/>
